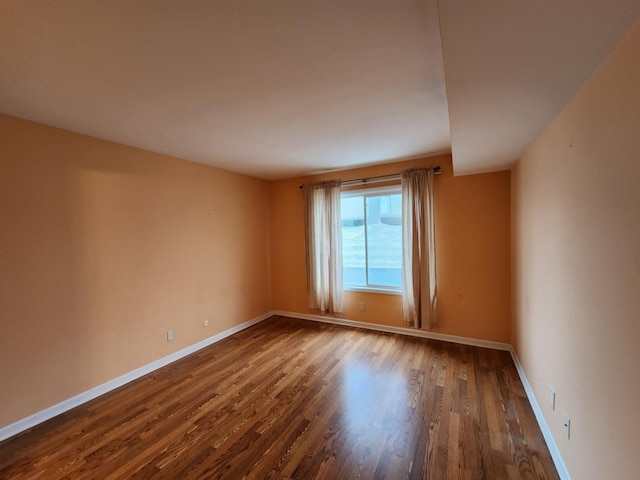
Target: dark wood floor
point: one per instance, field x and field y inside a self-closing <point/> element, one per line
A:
<point x="295" y="399"/>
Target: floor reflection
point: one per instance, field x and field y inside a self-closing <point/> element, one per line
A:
<point x="374" y="403"/>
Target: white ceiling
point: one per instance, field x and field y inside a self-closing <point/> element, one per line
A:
<point x="512" y="65"/>
<point x="270" y="88"/>
<point x="280" y="88"/>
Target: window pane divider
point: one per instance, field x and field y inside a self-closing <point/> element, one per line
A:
<point x="366" y="242"/>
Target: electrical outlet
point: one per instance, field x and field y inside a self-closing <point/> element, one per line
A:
<point x="552" y="398"/>
<point x="362" y="305"/>
<point x="567" y="426"/>
<point x="169" y="335"/>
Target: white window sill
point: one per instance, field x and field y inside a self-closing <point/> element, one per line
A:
<point x="385" y="291"/>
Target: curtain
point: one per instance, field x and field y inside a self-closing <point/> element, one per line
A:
<point x="419" y="293"/>
<point x="323" y="235"/>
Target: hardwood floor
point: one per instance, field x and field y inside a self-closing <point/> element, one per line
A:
<point x="292" y="399"/>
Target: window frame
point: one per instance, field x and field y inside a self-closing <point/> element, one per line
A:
<point x="365" y="192"/>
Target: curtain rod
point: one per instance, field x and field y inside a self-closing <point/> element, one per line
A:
<point x="380" y="178"/>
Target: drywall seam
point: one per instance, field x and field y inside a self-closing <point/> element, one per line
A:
<point x="66" y="405"/>
<point x="404" y="331"/>
<point x="537" y="411"/>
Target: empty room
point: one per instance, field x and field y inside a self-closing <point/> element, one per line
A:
<point x="299" y="239"/>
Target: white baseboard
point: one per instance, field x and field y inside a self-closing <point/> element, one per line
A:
<point x="551" y="444"/>
<point x="402" y="330"/>
<point x="563" y="472"/>
<point x="50" y="412"/>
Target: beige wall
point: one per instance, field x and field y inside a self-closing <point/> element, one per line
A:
<point x="576" y="259"/>
<point x="103" y="248"/>
<point x="472" y="231"/>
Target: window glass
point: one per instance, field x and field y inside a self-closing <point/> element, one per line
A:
<point x="372" y="239"/>
<point x="384" y="235"/>
<point x="353" y="241"/>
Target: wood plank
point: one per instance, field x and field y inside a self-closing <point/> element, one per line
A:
<point x="290" y="399"/>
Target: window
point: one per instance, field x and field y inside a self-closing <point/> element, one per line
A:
<point x="372" y="239"/>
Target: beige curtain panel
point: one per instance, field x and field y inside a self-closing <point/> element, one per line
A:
<point x="419" y="293"/>
<point x="323" y="235"/>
